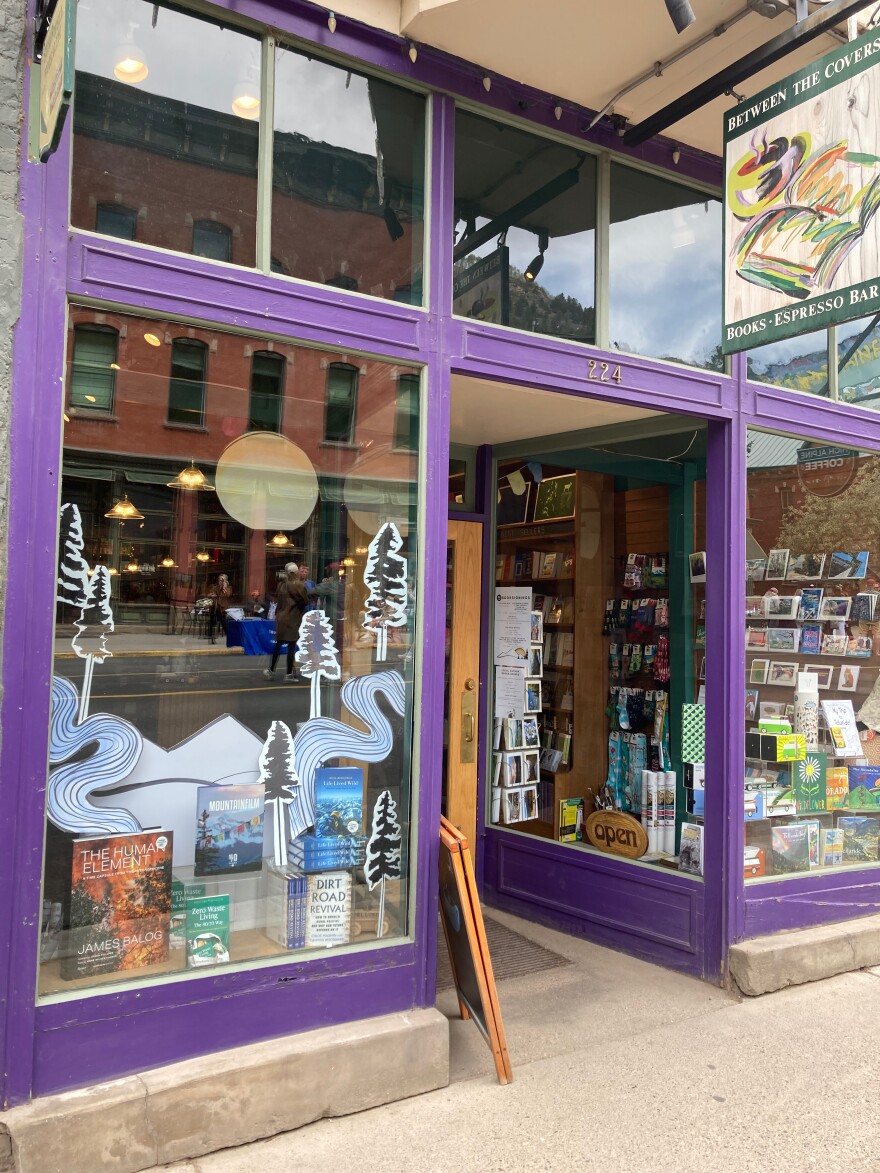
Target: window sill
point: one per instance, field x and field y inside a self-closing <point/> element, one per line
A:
<point x="92" y="413"/>
<point x="346" y="444"/>
<point x="184" y="427"/>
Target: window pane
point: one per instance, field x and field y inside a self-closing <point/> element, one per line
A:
<point x="348" y="182"/>
<point x="92" y="377"/>
<point x="541" y="276"/>
<point x="664" y="270"/>
<point x="812" y="594"/>
<point x="171" y="547"/>
<point x="858" y="362"/>
<point x="801" y="364"/>
<point x="162" y="125"/>
<point x="406" y="429"/>
<point x="342" y="381"/>
<point x="114" y="220"/>
<point x="267" y="386"/>
<point x="212" y="240"/>
<point x="602" y="715"/>
<point x="186" y="394"/>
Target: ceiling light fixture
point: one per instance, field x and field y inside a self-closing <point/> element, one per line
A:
<point x="203" y="556"/>
<point x="246" y="100"/>
<point x="191" y="478"/>
<point x="331" y="21"/>
<point x="538" y="263"/>
<point x="768" y="8"/>
<point x="124" y="510"/>
<point x="680" y="13"/>
<point x="280" y="540"/>
<point x="132" y="567"/>
<point x="130" y="65"/>
<point x="168" y="562"/>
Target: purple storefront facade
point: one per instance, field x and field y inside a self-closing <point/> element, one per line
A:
<point x="670" y="919"/>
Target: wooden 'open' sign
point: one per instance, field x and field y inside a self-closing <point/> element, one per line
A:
<point x="616" y="833"/>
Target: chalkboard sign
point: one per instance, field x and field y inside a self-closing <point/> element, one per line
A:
<point x="468" y="950"/>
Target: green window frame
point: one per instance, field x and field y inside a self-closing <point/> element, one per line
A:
<point x="267" y="391"/>
<point x="93" y="369"/>
<point x="186" y="390"/>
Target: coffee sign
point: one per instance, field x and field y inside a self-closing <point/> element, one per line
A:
<point x="616" y="833"/>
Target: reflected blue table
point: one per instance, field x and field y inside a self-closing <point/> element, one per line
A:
<point x="255" y="636"/>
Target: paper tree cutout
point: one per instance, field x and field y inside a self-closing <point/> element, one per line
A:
<point x="278" y="775"/>
<point x="317" y="655"/>
<point x="383" y="850"/>
<point x="385" y="578"/>
<point x="93" y="625"/>
<point x="73" y="574"/>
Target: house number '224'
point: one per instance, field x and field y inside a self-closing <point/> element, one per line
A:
<point x="601" y="372"/>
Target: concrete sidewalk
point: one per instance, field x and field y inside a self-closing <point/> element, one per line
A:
<point x="623" y="1067"/>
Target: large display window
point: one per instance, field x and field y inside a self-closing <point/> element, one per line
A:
<point x="230" y="743"/>
<point x="599" y="650"/>
<point x="812" y="781"/>
<point x="169" y="110"/>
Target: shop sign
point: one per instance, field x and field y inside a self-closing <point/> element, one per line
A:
<point x="56" y="75"/>
<point x="801" y="196"/>
<point x="826" y="470"/>
<point x="481" y="291"/>
<point x="616" y="833"/>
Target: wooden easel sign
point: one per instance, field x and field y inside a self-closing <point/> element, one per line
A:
<point x="468" y="949"/>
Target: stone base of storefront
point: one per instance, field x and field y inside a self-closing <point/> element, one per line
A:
<point x="764" y="964"/>
<point x="230" y="1098"/>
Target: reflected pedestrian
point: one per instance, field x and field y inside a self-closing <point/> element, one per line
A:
<point x="291" y="601"/>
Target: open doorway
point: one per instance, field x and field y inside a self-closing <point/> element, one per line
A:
<point x="594" y="530"/>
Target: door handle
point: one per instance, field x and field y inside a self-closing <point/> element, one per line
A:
<point x="467" y="749"/>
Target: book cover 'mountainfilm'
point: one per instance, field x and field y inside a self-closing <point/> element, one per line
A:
<point x="229" y="829"/>
<point x="120" y="906"/>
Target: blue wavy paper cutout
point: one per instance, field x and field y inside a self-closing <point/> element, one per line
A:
<point x="323" y="739"/>
<point x="118" y="747"/>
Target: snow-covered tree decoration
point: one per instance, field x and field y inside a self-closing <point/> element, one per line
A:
<point x="278" y="775"/>
<point x="385" y="577"/>
<point x="383" y="850"/>
<point x="73" y="574"/>
<point x="317" y="654"/>
<point x="93" y="625"/>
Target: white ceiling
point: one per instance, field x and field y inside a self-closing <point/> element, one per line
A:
<point x="483" y="412"/>
<point x="586" y="51"/>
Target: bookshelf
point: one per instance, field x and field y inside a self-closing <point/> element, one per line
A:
<point x="568" y="565"/>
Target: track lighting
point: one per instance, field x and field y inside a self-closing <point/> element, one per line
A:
<point x="538" y="263"/>
<point x="680" y="13"/>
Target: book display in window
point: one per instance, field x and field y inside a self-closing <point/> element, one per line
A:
<point x="814" y="673"/>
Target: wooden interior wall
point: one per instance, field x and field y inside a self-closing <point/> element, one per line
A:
<point x="641" y="521"/>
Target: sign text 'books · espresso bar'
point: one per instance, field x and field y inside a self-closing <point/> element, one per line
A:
<point x="802" y="193"/>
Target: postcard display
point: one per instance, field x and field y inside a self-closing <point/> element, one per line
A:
<point x="589" y="660"/>
<point x="812" y="783"/>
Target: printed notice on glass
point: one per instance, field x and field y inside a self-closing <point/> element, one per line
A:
<point x="510" y="689"/>
<point x="513" y="625"/>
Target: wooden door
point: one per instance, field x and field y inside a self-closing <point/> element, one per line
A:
<point x="464" y="592"/>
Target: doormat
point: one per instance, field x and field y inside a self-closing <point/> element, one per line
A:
<point x="513" y="955"/>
